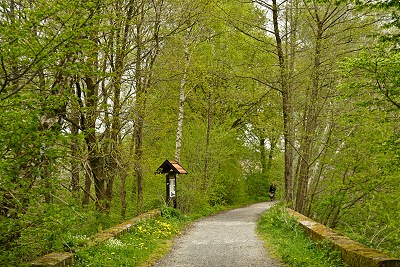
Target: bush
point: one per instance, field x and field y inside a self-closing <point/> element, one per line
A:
<point x="170" y="213"/>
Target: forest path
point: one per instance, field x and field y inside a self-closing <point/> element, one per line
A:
<point x="225" y="239"/>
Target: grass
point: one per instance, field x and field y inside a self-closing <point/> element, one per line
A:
<point x="146" y="243"/>
<point x="288" y="243"/>
<point x="150" y="240"/>
<point x="51" y="227"/>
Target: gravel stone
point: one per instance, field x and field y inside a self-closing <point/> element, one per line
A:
<point x="225" y="239"/>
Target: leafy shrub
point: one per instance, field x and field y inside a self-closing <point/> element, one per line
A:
<point x="170" y="213"/>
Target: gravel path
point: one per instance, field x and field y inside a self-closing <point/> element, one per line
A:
<point x="226" y="239"/>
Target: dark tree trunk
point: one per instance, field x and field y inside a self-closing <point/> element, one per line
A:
<point x="287" y="108"/>
<point x="310" y="118"/>
<point x="208" y="136"/>
<point x="75" y="170"/>
<point x="139" y="120"/>
<point x="138" y="162"/>
<point x="95" y="157"/>
<point x="123" y="194"/>
<point x="86" y="189"/>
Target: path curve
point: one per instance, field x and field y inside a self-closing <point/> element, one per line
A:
<point x="225" y="239"/>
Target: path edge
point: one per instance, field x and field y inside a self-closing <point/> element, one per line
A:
<point x="61" y="259"/>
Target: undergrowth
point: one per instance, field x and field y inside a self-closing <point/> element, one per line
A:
<point x="50" y="228"/>
<point x="288" y="242"/>
<point x="137" y="246"/>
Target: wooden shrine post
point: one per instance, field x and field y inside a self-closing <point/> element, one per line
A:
<point x="171" y="168"/>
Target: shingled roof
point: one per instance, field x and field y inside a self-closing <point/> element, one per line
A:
<point x="171" y="165"/>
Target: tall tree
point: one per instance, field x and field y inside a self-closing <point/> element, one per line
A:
<point x="147" y="40"/>
<point x="331" y="25"/>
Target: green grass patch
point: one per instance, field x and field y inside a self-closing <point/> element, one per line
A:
<point x="50" y="228"/>
<point x="147" y="242"/>
<point x="147" y="238"/>
<point x="289" y="243"/>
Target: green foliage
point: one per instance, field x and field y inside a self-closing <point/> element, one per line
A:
<point x="50" y="52"/>
<point x="28" y="178"/>
<point x="378" y="71"/>
<point x="133" y="248"/>
<point x="281" y="231"/>
<point x="170" y="213"/>
<point x="373" y="224"/>
<point x="47" y="228"/>
<point x="257" y="184"/>
<point x="372" y="83"/>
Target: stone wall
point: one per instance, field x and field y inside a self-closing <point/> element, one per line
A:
<point x="352" y="253"/>
<point x="60" y="259"/>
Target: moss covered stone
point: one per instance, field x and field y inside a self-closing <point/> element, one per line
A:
<point x="352" y="253"/>
<point x="67" y="259"/>
<point x="55" y="259"/>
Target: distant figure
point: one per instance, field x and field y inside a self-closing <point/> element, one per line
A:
<point x="271" y="191"/>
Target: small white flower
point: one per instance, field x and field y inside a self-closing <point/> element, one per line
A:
<point x="115" y="243"/>
<point x="79" y="237"/>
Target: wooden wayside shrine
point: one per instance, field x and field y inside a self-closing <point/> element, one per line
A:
<point x="171" y="168"/>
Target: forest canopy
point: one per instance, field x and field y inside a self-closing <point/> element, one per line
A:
<point x="95" y="95"/>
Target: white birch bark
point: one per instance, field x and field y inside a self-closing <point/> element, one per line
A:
<point x="178" y="142"/>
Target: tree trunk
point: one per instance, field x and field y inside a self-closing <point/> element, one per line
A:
<point x="119" y="42"/>
<point x="97" y="165"/>
<point x="75" y="176"/>
<point x="95" y="157"/>
<point x="88" y="184"/>
<point x="311" y="118"/>
<point x="208" y="136"/>
<point x="318" y="167"/>
<point x="138" y="133"/>
<point x="287" y="108"/>
<point x="144" y="63"/>
<point x="123" y="193"/>
<point x="289" y="102"/>
<point x="178" y="143"/>
<point x="139" y="113"/>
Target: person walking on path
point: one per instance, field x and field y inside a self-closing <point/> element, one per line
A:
<point x="271" y="192"/>
<point x="225" y="239"/>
